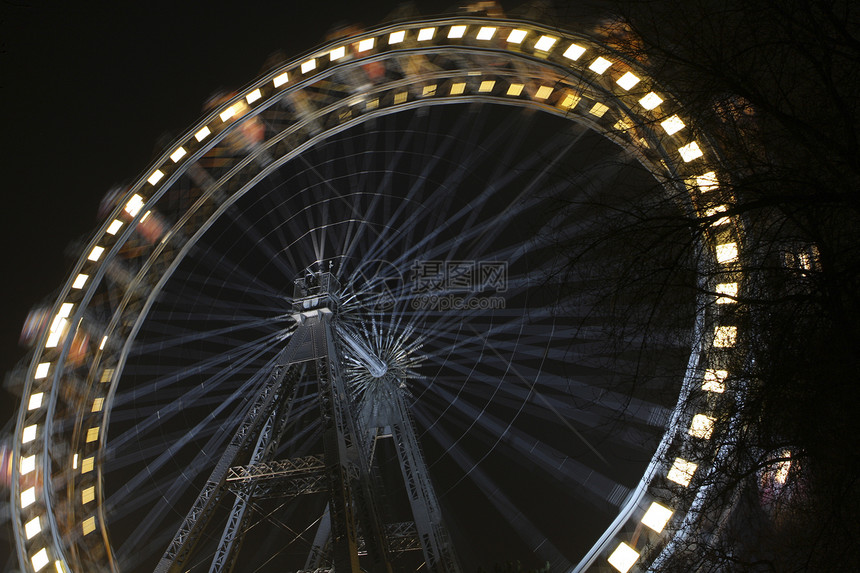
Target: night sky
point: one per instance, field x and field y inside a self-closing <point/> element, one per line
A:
<point x="88" y="91"/>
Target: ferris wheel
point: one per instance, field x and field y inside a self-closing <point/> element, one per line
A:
<point x="372" y="312"/>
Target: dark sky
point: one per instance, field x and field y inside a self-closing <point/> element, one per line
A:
<point x="88" y="88"/>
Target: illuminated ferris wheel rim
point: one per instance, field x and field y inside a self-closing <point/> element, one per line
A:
<point x="602" y="90"/>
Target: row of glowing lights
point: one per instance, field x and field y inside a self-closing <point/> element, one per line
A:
<point x="701" y="426"/>
<point x="622" y="558"/>
<point x="681" y="472"/>
<point x="600" y="65"/>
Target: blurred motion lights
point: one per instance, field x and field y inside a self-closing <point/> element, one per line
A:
<point x="657" y="516"/>
<point x="516" y="36"/>
<point x="486" y="33"/>
<point x="650" y="101"/>
<point x="33" y="527"/>
<point x="545" y="43"/>
<point x="627" y="81"/>
<point x="672" y="125"/>
<point x="456" y="31"/>
<point x="682" y="472"/>
<point x="690" y="151"/>
<point x="40" y="559"/>
<point x="623" y="557"/>
<point x="600" y="65"/>
<point x="573" y="52"/>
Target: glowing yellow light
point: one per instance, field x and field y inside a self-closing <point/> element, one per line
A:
<point x="458" y="88"/>
<point x="486" y="86"/>
<point x="690" y="152"/>
<point x="202" y="134"/>
<point x="178" y="153"/>
<point x="228" y="113"/>
<point x="28" y="464"/>
<point x="486" y="33"/>
<point x="782" y="468"/>
<point x="366" y="44"/>
<point x="650" y="101"/>
<point x="88" y="495"/>
<point x="29" y="434"/>
<point x="425" y="34"/>
<point x="543" y="92"/>
<point x="280" y="80"/>
<point x="337" y="53"/>
<point x="702" y="427"/>
<point x="396" y="37"/>
<point x="107" y="373"/>
<point x="429" y="90"/>
<point x="627" y="81"/>
<point x="400" y="97"/>
<point x="65" y="309"/>
<point x="92" y="434"/>
<point x="102" y="345"/>
<point x="457" y="31"/>
<point x="145" y="216"/>
<point x="33" y="527"/>
<point x="75" y="462"/>
<point x="89" y="525"/>
<point x="35" y="401"/>
<point x="707" y="182"/>
<point x="715" y="380"/>
<point x="309" y="66"/>
<point x="598" y="109"/>
<point x="60" y="567"/>
<point x="657" y="517"/>
<point x="727" y="253"/>
<point x="682" y="472"/>
<point x="545" y="43"/>
<point x="253" y="96"/>
<point x="41" y="370"/>
<point x="711" y="211"/>
<point x="80" y="280"/>
<point x="725" y="336"/>
<point x="28" y="497"/>
<point x="97" y="404"/>
<point x="517" y="36"/>
<point x="570" y="101"/>
<point x="155" y="177"/>
<point x="96" y="253"/>
<point x="134" y="205"/>
<point x="623" y="558"/>
<point x="730" y="292"/>
<point x="40" y="559"/>
<point x="57" y="329"/>
<point x="600" y="65"/>
<point x="515" y="89"/>
<point x="672" y="125"/>
<point x="114" y="226"/>
<point x="573" y="52"/>
<point x="87" y="465"/>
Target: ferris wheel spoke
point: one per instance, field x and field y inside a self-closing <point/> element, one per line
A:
<point x="540" y="403"/>
<point x="522" y="446"/>
<point x="528" y="532"/>
<point x="174" y="407"/>
<point x="217" y="335"/>
<point x="595" y="394"/>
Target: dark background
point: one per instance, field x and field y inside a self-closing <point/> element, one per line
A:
<point x="87" y="91"/>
